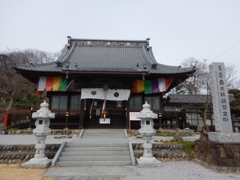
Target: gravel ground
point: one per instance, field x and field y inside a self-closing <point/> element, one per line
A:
<point x="180" y="170"/>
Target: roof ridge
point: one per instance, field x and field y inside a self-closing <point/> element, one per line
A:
<point x="112" y="40"/>
<point x="177" y="67"/>
<point x="152" y="56"/>
<point x="67" y="54"/>
<point x="146" y="56"/>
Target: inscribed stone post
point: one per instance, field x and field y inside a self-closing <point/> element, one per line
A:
<point x="221" y="109"/>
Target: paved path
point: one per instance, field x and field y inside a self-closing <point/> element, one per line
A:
<point x="31" y="139"/>
<point x="173" y="170"/>
<point x="91" y="172"/>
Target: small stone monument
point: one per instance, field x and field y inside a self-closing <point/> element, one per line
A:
<point x="41" y="131"/>
<point x="147" y="131"/>
<point x="221" y="108"/>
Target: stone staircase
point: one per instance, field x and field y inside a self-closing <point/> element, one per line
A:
<point x="97" y="148"/>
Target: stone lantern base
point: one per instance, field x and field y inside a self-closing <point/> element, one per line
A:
<point x="148" y="162"/>
<point x="37" y="163"/>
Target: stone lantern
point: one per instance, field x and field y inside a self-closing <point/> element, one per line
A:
<point x="147" y="131"/>
<point x="43" y="116"/>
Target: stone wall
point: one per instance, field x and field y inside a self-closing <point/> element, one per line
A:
<point x="67" y="132"/>
<point x="163" y="152"/>
<point x="164" y="132"/>
<point x="219" y="154"/>
<point x="22" y="153"/>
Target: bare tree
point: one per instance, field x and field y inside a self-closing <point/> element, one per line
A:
<point x="11" y="82"/>
<point x="197" y="83"/>
<point x="232" y="81"/>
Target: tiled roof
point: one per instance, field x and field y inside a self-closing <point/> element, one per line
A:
<point x="86" y="55"/>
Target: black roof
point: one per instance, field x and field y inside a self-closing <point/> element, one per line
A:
<point x="91" y="55"/>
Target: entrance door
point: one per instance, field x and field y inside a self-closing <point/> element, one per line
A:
<point x="115" y="114"/>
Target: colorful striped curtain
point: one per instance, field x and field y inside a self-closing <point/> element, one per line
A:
<point x="147" y="87"/>
<point x="140" y="86"/>
<point x="56" y="83"/>
<point x="151" y="86"/>
<point x="49" y="83"/>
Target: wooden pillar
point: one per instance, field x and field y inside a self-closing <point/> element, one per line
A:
<point x="161" y="110"/>
<point x="127" y="114"/>
<point x="68" y="109"/>
<point x="177" y="125"/>
<point x="160" y="120"/>
<point x="81" y="118"/>
<point x="66" y="122"/>
<point x="30" y="118"/>
<point x="30" y="123"/>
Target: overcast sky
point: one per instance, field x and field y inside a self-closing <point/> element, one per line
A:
<point x="178" y="29"/>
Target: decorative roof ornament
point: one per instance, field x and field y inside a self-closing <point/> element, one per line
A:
<point x="154" y="66"/>
<point x="145" y="67"/>
<point x="69" y="42"/>
<point x="105" y="87"/>
<point x="76" y="65"/>
<point x="59" y="64"/>
<point x="67" y="70"/>
<point x="67" y="65"/>
<point x="144" y="71"/>
<point x="148" y="40"/>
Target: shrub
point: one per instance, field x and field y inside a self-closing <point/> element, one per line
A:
<point x="188" y="147"/>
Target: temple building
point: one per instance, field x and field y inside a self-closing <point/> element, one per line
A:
<point x="104" y="83"/>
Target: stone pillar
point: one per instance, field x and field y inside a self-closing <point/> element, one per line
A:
<point x="41" y="131"/>
<point x="219" y="91"/>
<point x="147" y="131"/>
<point x="221" y="108"/>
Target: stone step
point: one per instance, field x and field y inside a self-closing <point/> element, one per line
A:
<point x="97" y="144"/>
<point x="95" y="153"/>
<point x="101" y="137"/>
<point x="94" y="163"/>
<point x="97" y="148"/>
<point x="104" y="132"/>
<point x="107" y="148"/>
<point x="94" y="158"/>
<point x="104" y="136"/>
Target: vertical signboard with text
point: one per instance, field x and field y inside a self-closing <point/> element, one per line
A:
<point x="219" y="91"/>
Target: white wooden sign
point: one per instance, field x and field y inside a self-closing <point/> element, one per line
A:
<point x="133" y="116"/>
<point x="104" y="121"/>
